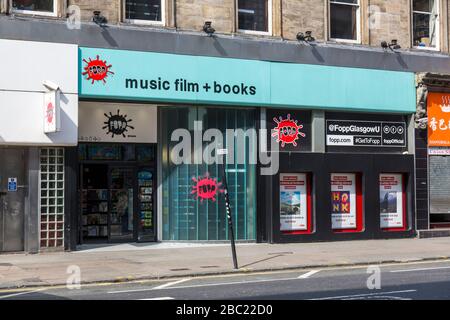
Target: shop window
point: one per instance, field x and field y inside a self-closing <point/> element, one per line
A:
<point x="193" y="203"/>
<point x="39" y="7"/>
<point x="295" y="204"/>
<point x="254" y="15"/>
<point x="116" y="152"/>
<point x="346" y="202"/>
<point x="345" y="20"/>
<point x="144" y="11"/>
<point x="392" y="202"/>
<point x="426" y="24"/>
<point x="52" y="197"/>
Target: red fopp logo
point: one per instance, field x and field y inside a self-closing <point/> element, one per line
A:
<point x="287" y="131"/>
<point x="96" y="70"/>
<point x="50" y="112"/>
<point x="206" y="188"/>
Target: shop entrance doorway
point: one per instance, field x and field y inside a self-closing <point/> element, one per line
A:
<point x="12" y="199"/>
<point x="439" y="190"/>
<point x="117" y="202"/>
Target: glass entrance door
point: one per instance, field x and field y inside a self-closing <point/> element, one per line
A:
<point x="117" y="193"/>
<point x="122" y="203"/>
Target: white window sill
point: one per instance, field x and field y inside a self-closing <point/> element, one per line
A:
<point x="256" y="33"/>
<point x="346" y="41"/>
<point x="427" y="49"/>
<point x="35" y="13"/>
<point x="144" y="22"/>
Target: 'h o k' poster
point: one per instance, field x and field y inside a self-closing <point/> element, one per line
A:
<point x="343" y="201"/>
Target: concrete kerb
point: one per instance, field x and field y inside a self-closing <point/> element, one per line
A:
<point x="131" y="279"/>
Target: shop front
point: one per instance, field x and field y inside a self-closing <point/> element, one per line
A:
<point x="433" y="165"/>
<point x="117" y="172"/>
<point x="310" y="153"/>
<point x="38" y="121"/>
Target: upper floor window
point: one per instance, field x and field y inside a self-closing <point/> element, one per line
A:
<point x="41" y="7"/>
<point x="144" y="11"/>
<point x="254" y="15"/>
<point x="345" y="20"/>
<point x="426" y="24"/>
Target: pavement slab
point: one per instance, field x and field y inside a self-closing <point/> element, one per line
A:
<point x="140" y="261"/>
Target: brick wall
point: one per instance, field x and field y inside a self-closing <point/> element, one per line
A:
<point x="191" y="14"/>
<point x="390" y="19"/>
<point x="303" y="15"/>
<point x="109" y="9"/>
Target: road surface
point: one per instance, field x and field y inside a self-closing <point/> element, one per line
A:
<point x="424" y="280"/>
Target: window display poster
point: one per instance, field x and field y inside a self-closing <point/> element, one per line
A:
<point x="343" y="201"/>
<point x="391" y="201"/>
<point x="293" y="202"/>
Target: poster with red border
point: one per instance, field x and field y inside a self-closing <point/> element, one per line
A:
<point x="343" y="201"/>
<point x="293" y="202"/>
<point x="392" y="207"/>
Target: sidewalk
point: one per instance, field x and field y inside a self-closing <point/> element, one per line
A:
<point x="146" y="261"/>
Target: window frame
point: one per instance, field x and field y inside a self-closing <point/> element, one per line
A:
<point x="358" y="22"/>
<point x="162" y="22"/>
<point x="438" y="30"/>
<point x="269" y="31"/>
<point x="37" y="13"/>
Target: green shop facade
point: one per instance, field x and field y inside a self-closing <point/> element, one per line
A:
<point x="342" y="139"/>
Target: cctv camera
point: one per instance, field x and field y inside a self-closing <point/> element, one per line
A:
<point x="423" y="120"/>
<point x="50" y="85"/>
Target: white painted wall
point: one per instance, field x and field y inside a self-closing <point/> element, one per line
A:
<point x="24" y="65"/>
<point x="92" y="122"/>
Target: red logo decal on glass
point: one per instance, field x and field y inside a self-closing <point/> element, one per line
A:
<point x="206" y="188"/>
<point x="287" y="131"/>
<point x="96" y="70"/>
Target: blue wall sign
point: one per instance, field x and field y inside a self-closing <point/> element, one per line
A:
<point x="161" y="77"/>
<point x="12" y="184"/>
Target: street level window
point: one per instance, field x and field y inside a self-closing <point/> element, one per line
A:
<point x="346" y="202"/>
<point x="51" y="178"/>
<point x="39" y="7"/>
<point x="254" y="15"/>
<point x="345" y="20"/>
<point x="426" y="24"/>
<point x="144" y="11"/>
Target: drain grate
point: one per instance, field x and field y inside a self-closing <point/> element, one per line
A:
<point x="209" y="267"/>
<point x="5" y="264"/>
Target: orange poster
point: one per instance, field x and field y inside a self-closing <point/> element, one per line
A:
<point x="438" y="119"/>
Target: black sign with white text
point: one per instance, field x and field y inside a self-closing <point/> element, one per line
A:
<point x="355" y="133"/>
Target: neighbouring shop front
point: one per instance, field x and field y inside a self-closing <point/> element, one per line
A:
<point x="313" y="153"/>
<point x="38" y="121"/>
<point x="433" y="154"/>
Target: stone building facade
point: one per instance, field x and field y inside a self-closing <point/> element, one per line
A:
<point x="380" y="20"/>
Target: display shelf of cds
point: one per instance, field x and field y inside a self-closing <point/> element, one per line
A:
<point x="145" y="184"/>
<point x="94" y="204"/>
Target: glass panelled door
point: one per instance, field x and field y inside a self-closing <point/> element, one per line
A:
<point x="121" y="214"/>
